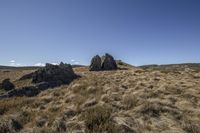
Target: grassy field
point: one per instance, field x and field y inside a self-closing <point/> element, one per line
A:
<point x="135" y="100"/>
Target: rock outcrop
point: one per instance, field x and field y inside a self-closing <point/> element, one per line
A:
<point x="55" y="74"/>
<point x="29" y="90"/>
<point x="106" y="62"/>
<point x="48" y="77"/>
<point x="7" y="85"/>
<point x="95" y="63"/>
<point x="27" y="76"/>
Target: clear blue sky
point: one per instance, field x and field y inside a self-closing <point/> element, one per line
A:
<point x="136" y="31"/>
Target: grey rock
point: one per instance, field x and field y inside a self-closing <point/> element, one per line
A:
<point x="27" y="76"/>
<point x="48" y="77"/>
<point x="95" y="63"/>
<point x="55" y="75"/>
<point x="24" y="91"/>
<point x="108" y="63"/>
<point x="42" y="86"/>
<point x="7" y="85"/>
<point x="28" y="90"/>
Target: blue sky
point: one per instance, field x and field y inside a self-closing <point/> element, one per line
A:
<point x="136" y="31"/>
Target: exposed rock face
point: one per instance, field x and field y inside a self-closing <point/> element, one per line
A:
<point x="48" y="77"/>
<point x="27" y="76"/>
<point x="7" y="85"/>
<point x="55" y="75"/>
<point x="28" y="90"/>
<point x="95" y="63"/>
<point x="106" y="62"/>
<point x="24" y="91"/>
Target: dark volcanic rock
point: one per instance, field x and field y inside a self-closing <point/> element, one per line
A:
<point x="7" y="85"/>
<point x="108" y="63"/>
<point x="55" y="75"/>
<point x="95" y="63"/>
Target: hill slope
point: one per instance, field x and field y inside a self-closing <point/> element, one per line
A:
<point x="133" y="100"/>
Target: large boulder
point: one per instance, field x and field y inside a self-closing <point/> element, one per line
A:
<point x="95" y="63"/>
<point x="54" y="74"/>
<point x="7" y="85"/>
<point x="108" y="63"/>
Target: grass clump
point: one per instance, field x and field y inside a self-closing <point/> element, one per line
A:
<point x="191" y="126"/>
<point x="13" y="104"/>
<point x="98" y="119"/>
<point x="130" y="101"/>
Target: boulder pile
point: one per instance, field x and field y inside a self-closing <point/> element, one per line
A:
<point x="48" y="77"/>
<point x="106" y="62"/>
<point x="7" y="85"/>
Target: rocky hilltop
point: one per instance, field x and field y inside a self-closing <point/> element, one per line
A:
<point x="131" y="100"/>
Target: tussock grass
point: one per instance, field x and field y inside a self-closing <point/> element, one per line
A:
<point x="98" y="119"/>
<point x="160" y="100"/>
<point x="14" y="104"/>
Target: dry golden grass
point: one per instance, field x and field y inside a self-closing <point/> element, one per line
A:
<point x="132" y="100"/>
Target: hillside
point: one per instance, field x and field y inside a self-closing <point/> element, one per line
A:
<point x="132" y="100"/>
<point x="173" y="67"/>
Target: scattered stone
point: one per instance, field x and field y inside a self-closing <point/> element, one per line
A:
<point x="7" y="85"/>
<point x="95" y="63"/>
